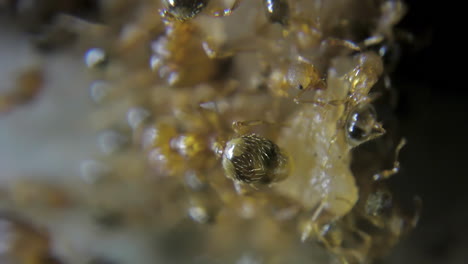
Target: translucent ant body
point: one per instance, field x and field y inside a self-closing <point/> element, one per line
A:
<point x="362" y="234"/>
<point x="361" y="125"/>
<point x="320" y="138"/>
<point x="179" y="58"/>
<point x="301" y="75"/>
<point x="359" y="119"/>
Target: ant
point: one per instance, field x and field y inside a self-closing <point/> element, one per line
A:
<point x="246" y="158"/>
<point x="277" y="11"/>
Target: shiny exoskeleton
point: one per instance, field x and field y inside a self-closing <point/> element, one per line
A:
<point x="277" y="11"/>
<point x="362" y="125"/>
<point x="292" y="75"/>
<point x="253" y="159"/>
<point x="184" y="9"/>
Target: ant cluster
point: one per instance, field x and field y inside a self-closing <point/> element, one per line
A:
<point x="247" y="114"/>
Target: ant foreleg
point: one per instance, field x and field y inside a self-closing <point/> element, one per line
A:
<point x="219" y="12"/>
<point x="385" y="174"/>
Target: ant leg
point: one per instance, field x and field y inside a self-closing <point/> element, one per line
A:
<point x="239" y="126"/>
<point x="214" y="52"/>
<point x="373" y="40"/>
<point x="297" y="99"/>
<point x="311" y="226"/>
<point x="226" y="12"/>
<point x="366" y="100"/>
<point x="318" y="211"/>
<point x="344" y="43"/>
<point x="385" y="174"/>
<point x="417" y="213"/>
<point x="372" y="97"/>
<point x="316" y="102"/>
<point x="319" y="102"/>
<point x="242" y="189"/>
<point x="350" y="255"/>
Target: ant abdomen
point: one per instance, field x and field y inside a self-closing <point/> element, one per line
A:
<point x="253" y="159"/>
<point x="184" y="9"/>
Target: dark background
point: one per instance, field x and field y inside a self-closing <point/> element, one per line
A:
<point x="433" y="117"/>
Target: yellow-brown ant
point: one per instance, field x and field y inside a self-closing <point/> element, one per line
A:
<point x="321" y="135"/>
<point x="246" y="158"/>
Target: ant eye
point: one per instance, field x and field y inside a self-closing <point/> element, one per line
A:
<point x="184" y="9"/>
<point x="362" y="125"/>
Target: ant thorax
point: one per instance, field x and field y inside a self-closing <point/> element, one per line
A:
<point x="320" y="150"/>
